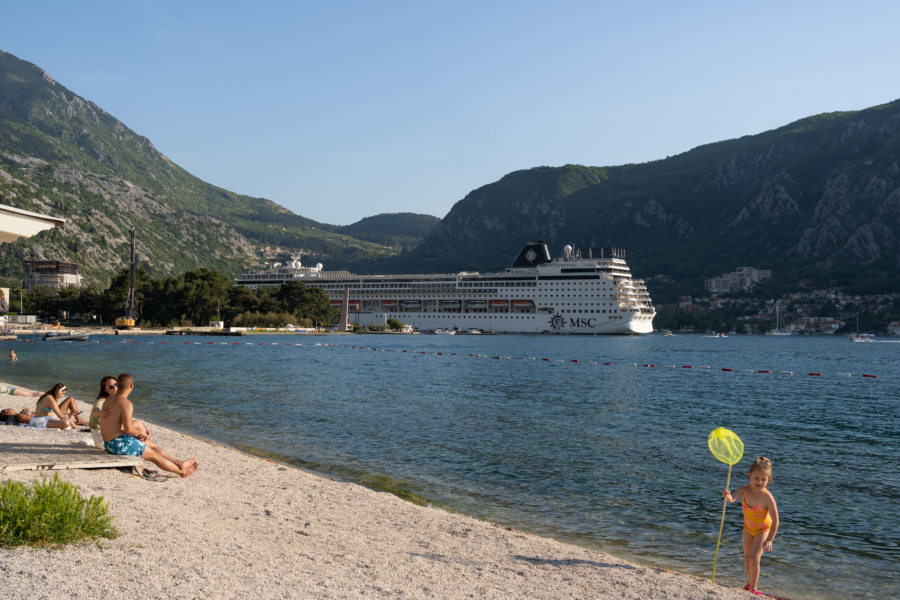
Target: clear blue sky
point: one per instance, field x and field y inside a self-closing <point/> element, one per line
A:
<point x="342" y="110"/>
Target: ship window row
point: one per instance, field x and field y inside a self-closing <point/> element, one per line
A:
<point x="492" y="317"/>
<point x="491" y="284"/>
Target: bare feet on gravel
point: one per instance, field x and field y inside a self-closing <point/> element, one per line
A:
<point x="189" y="467"/>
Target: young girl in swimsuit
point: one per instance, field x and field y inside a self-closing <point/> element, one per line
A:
<point x="760" y="518"/>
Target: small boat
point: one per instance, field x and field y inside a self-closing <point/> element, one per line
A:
<point x="668" y="333"/>
<point x="779" y="323"/>
<point x="440" y="331"/>
<point x="66" y="337"/>
<point x="862" y="337"/>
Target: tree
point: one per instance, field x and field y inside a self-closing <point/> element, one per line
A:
<point x="306" y="303"/>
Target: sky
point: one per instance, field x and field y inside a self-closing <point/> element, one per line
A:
<point x="342" y="110"/>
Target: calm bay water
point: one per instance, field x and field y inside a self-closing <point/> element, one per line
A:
<point x="611" y="456"/>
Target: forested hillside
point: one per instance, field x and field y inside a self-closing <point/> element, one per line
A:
<point x="817" y="199"/>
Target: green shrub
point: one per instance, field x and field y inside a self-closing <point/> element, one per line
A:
<point x="50" y="512"/>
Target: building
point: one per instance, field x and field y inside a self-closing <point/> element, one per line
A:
<point x="54" y="274"/>
<point x="741" y="280"/>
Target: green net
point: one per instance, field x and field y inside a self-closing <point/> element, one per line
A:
<point x="726" y="446"/>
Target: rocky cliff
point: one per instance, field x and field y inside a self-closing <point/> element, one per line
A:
<point x="63" y="156"/>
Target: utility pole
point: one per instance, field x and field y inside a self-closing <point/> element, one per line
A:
<point x="130" y="302"/>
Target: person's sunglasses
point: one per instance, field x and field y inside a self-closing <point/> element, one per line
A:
<point x="110" y="386"/>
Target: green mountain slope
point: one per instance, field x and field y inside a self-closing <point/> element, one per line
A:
<point x="397" y="230"/>
<point x="64" y="156"/>
<point x="817" y="198"/>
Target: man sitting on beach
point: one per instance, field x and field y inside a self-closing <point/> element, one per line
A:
<point x="120" y="436"/>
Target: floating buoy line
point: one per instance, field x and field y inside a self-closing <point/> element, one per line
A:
<point x="578" y="361"/>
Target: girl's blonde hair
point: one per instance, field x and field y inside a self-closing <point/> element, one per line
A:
<point x="762" y="464"/>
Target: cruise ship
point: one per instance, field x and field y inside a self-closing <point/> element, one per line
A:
<point x="586" y="291"/>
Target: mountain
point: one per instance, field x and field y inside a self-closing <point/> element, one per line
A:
<point x="818" y="198"/>
<point x="64" y="156"/>
<point x="397" y="230"/>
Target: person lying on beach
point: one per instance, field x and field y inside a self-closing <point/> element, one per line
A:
<point x="11" y="417"/>
<point x="11" y="390"/>
<point x="108" y="385"/>
<point x="120" y="436"/>
<point x="52" y="403"/>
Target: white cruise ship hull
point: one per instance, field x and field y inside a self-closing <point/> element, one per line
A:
<point x="587" y="291"/>
<point x="506" y="323"/>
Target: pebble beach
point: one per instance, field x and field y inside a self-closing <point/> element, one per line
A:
<point x="244" y="526"/>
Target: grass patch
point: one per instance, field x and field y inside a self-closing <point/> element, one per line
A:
<point x="50" y="512"/>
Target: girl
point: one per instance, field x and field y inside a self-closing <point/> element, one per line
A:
<point x="53" y="412"/>
<point x="760" y="518"/>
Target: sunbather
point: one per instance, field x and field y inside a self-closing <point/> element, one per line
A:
<point x="11" y="417"/>
<point x="120" y="436"/>
<point x="52" y="404"/>
<point x="12" y="390"/>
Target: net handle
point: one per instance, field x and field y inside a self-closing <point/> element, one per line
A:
<point x="721" y="525"/>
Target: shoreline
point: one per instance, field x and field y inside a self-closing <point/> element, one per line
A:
<point x="245" y="525"/>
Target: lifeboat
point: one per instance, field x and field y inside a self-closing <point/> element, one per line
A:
<point x="499" y="303"/>
<point x="522" y="303"/>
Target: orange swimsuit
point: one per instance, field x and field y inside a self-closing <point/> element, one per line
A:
<point x="757" y="518"/>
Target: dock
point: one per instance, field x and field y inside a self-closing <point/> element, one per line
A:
<point x="218" y="332"/>
<point x="28" y="449"/>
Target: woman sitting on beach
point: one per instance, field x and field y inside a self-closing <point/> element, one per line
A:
<point x="108" y="386"/>
<point x="49" y="405"/>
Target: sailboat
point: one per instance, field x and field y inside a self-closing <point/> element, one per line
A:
<point x="779" y="323"/>
<point x="860" y="337"/>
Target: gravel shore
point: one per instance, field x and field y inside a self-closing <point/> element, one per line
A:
<point x="245" y="527"/>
